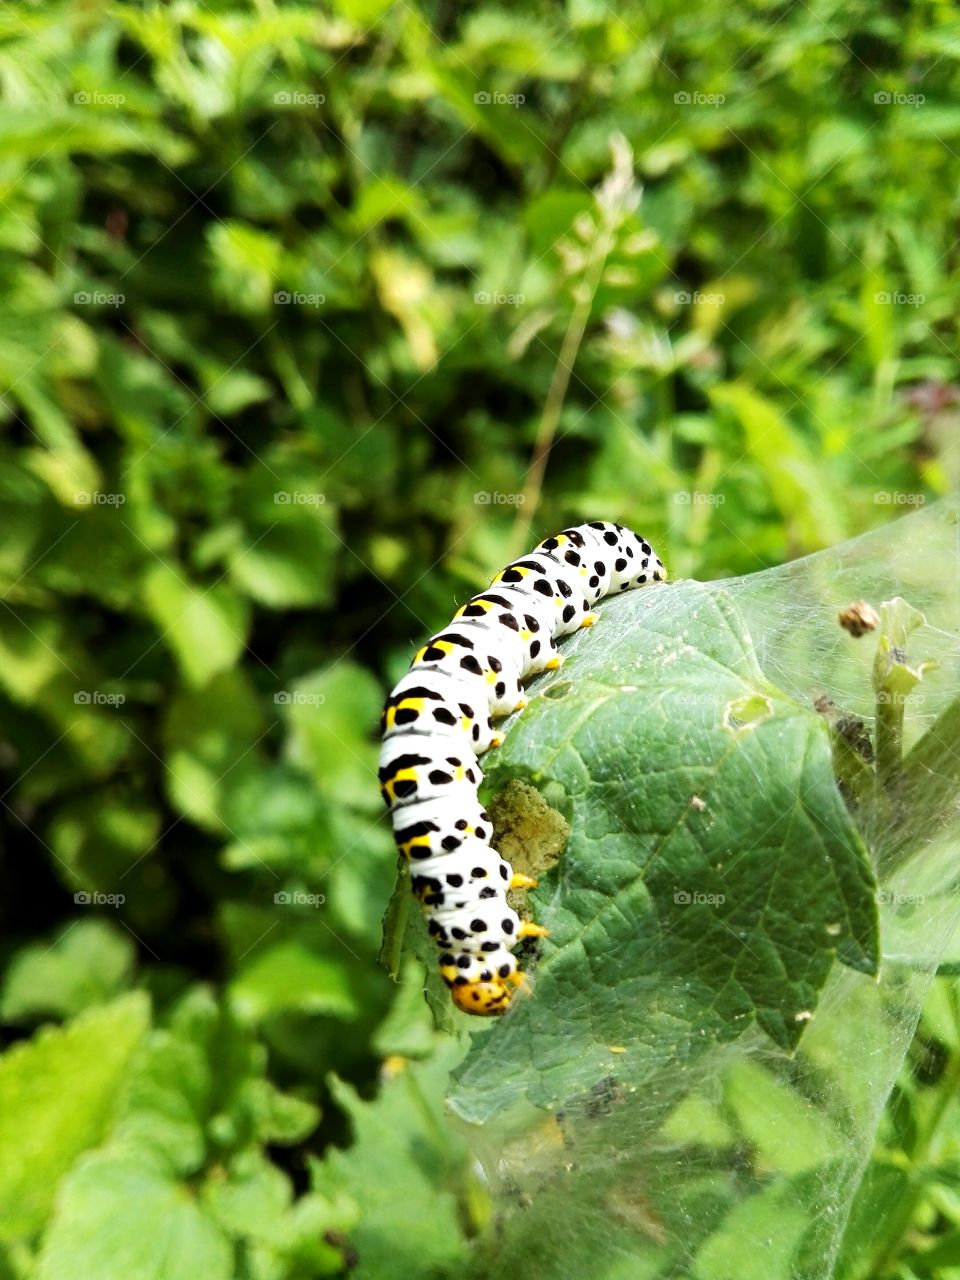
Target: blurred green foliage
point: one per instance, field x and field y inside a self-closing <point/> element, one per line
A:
<point x="292" y="297"/>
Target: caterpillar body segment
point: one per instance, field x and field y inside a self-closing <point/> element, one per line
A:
<point x="431" y="701"/>
<point x="635" y="563"/>
<point x="432" y="828"/>
<point x="527" y="638"/>
<point x="510" y="598"/>
<point x="439" y="718"/>
<point x="457" y="652"/>
<point x="554" y="581"/>
<point x="417" y="766"/>
<point x="454" y="880"/>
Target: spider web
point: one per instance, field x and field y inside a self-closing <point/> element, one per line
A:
<point x="687" y="1145"/>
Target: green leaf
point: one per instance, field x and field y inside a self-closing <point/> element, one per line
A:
<point x="789" y="1133"/>
<point x="205" y="628"/>
<point x="405" y="1168"/>
<point x="333" y="715"/>
<point x="118" y="1216"/>
<point x="87" y="963"/>
<point x="58" y="1094"/>
<point x="712" y="872"/>
<point x="289" y="976"/>
<point x="210" y="737"/>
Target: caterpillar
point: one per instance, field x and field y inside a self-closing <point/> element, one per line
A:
<point x="440" y="717"/>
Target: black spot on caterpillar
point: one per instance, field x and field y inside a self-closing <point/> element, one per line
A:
<point x="439" y="718"/>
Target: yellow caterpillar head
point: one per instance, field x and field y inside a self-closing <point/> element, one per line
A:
<point x="488" y="999"/>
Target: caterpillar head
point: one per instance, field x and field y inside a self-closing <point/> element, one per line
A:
<point x="488" y="999"/>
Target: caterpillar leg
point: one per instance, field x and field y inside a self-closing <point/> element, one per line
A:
<point x="556" y="663"/>
<point x="521" y="882"/>
<point x="590" y="619"/>
<point x="528" y="930"/>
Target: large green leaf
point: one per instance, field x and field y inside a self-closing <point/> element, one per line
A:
<point x="712" y="872"/>
<point x="58" y="1094"/>
<point x="117" y="1216"/>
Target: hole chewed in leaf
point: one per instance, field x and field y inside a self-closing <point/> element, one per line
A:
<point x="747" y="713"/>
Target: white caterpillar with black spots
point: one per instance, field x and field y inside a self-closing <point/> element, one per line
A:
<point x="439" y="718"/>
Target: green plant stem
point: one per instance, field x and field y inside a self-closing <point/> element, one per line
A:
<point x="395" y="924"/>
<point x="889" y="737"/>
<point x="931" y="769"/>
<point x="557" y="391"/>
